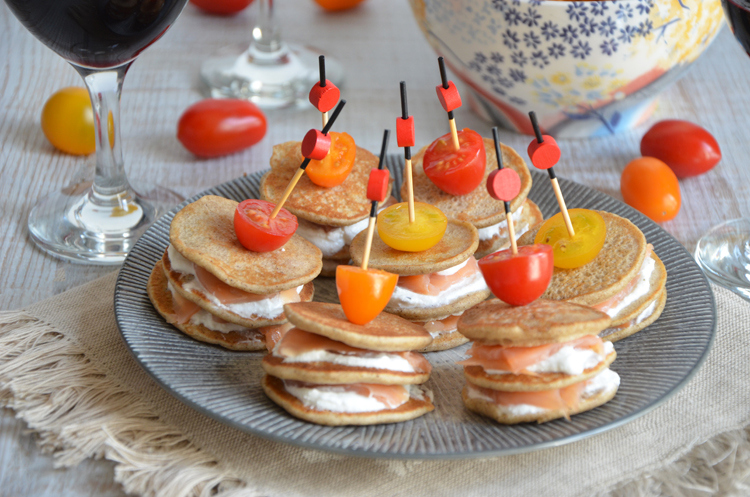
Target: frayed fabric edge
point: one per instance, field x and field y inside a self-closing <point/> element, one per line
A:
<point x="80" y="413"/>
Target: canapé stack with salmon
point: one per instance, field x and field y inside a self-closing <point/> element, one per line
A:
<point x="211" y="287"/>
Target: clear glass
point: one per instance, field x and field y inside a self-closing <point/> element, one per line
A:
<point x="270" y="72"/>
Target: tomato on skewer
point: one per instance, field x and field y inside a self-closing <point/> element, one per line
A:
<point x="335" y="167"/>
<point x="456" y="172"/>
<point x="590" y="233"/>
<point x="424" y="233"/>
<point x="256" y="230"/>
<point x="518" y="279"/>
<point x="364" y="293"/>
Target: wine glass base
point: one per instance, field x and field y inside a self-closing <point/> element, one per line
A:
<point x="724" y="255"/>
<point x="272" y="81"/>
<point x="76" y="225"/>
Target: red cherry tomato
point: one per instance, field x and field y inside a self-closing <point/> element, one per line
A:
<point x="519" y="279"/>
<point x="215" y="127"/>
<point x="456" y="172"/>
<point x="649" y="185"/>
<point x="686" y="148"/>
<point x="221" y="7"/>
<point x="255" y="229"/>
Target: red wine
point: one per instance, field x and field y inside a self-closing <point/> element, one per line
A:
<point x="738" y="16"/>
<point x="97" y="33"/>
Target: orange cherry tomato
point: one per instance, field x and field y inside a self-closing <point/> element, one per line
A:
<point x="336" y="166"/>
<point x="334" y="5"/>
<point x="68" y="121"/>
<point x="256" y="230"/>
<point x="424" y="233"/>
<point x="364" y="293"/>
<point x="221" y="7"/>
<point x="649" y="185"/>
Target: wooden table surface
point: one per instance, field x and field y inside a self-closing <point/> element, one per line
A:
<point x="379" y="45"/>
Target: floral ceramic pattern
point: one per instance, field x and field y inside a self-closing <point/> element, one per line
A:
<point x="586" y="68"/>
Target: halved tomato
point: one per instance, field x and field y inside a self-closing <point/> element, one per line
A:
<point x="518" y="279"/>
<point x="336" y="166"/>
<point x="256" y="230"/>
<point x="456" y="172"/>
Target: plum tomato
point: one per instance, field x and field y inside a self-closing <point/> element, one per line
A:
<point x="334" y="5"/>
<point x="518" y="279"/>
<point x="221" y="7"/>
<point x="456" y="172"/>
<point x="686" y="148"/>
<point x="255" y="229"/>
<point x="364" y="293"/>
<point x="650" y="186"/>
<point x="590" y="230"/>
<point x="68" y="121"/>
<point x="424" y="233"/>
<point x="220" y="126"/>
<point x="335" y="167"/>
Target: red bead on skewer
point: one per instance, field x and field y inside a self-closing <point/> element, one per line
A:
<point x="324" y="98"/>
<point x="377" y="185"/>
<point x="449" y="97"/>
<point x="405" y="135"/>
<point x="504" y="184"/>
<point x="546" y="154"/>
<point x="315" y="145"/>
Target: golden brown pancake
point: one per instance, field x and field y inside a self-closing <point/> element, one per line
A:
<point x="274" y="388"/>
<point x="341" y="205"/>
<point x="657" y="283"/>
<point x="539" y="323"/>
<point x="476" y="207"/>
<point x="203" y="232"/>
<point x="458" y="244"/>
<point x="445" y="341"/>
<point x="629" y="328"/>
<point x="531" y="216"/>
<point x="387" y="333"/>
<point x="435" y="313"/>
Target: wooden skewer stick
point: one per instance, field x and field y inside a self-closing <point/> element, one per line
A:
<point x="407" y="157"/>
<point x="322" y="69"/>
<point x="374" y="208"/>
<point x="508" y="213"/>
<point x="295" y="179"/>
<point x="451" y="120"/>
<point x="553" y="180"/>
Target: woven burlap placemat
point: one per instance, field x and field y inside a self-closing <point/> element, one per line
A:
<point x="66" y="371"/>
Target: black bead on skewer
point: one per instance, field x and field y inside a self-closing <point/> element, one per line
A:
<point x="444" y="79"/>
<point x="540" y="139"/>
<point x="499" y="156"/>
<point x="381" y="164"/>
<point x="326" y="128"/>
<point x="322" y="68"/>
<point x="405" y="115"/>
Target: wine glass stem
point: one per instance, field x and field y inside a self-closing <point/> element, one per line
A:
<point x="266" y="33"/>
<point x="110" y="183"/>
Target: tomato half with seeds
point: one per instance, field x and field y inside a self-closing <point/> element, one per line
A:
<point x="424" y="233"/>
<point x="364" y="293"/>
<point x="335" y="167"/>
<point x="256" y="230"/>
<point x="518" y="279"/>
<point x="590" y="234"/>
<point x="456" y="172"/>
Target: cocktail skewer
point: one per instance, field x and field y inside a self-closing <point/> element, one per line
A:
<point x="405" y="137"/>
<point x="504" y="184"/>
<point x="449" y="99"/>
<point x="324" y="95"/>
<point x="377" y="189"/>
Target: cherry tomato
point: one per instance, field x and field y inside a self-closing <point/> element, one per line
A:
<point x="686" y="148"/>
<point x="590" y="230"/>
<point x="336" y="166"/>
<point x="215" y="127"/>
<point x="649" y="185"/>
<point x="221" y="7"/>
<point x="424" y="233"/>
<point x="456" y="172"/>
<point x="256" y="231"/>
<point x="519" y="279"/>
<point x="364" y="293"/>
<point x="68" y="121"/>
<point x="334" y="5"/>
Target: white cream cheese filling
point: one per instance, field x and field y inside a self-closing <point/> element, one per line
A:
<point x="266" y="308"/>
<point x="641" y="288"/>
<point x="406" y="299"/>
<point x="334" y="398"/>
<point x="491" y="232"/>
<point x="370" y="360"/>
<point x="604" y="383"/>
<point x="568" y="360"/>
<point x="330" y="240"/>
<point x="646" y="313"/>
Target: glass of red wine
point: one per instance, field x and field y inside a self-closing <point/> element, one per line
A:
<point x="724" y="252"/>
<point x="98" y="221"/>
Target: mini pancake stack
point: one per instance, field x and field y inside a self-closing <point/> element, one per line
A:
<point x="210" y="287"/>
<point x="435" y="286"/>
<point x="477" y="207"/>
<point x="328" y="217"/>
<point x="626" y="280"/>
<point x="330" y="371"/>
<point x="537" y="362"/>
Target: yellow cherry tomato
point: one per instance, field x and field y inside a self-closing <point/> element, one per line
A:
<point x="590" y="233"/>
<point x="68" y="121"/>
<point x="364" y="293"/>
<point x="424" y="233"/>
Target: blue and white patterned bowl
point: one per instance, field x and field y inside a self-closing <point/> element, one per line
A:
<point x="587" y="68"/>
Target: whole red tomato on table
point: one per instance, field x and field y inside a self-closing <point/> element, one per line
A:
<point x="686" y="148"/>
<point x="221" y="126"/>
<point x="221" y="7"/>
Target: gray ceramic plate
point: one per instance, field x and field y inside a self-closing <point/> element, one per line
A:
<point x="653" y="364"/>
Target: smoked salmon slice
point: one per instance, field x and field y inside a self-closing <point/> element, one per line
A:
<point x="297" y="342"/>
<point x="613" y="302"/>
<point x="516" y="360"/>
<point x="444" y="325"/>
<point x="183" y="308"/>
<point x="273" y="334"/>
<point x="433" y="284"/>
<point x="566" y="398"/>
<point x="390" y="395"/>
<point x="230" y="295"/>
